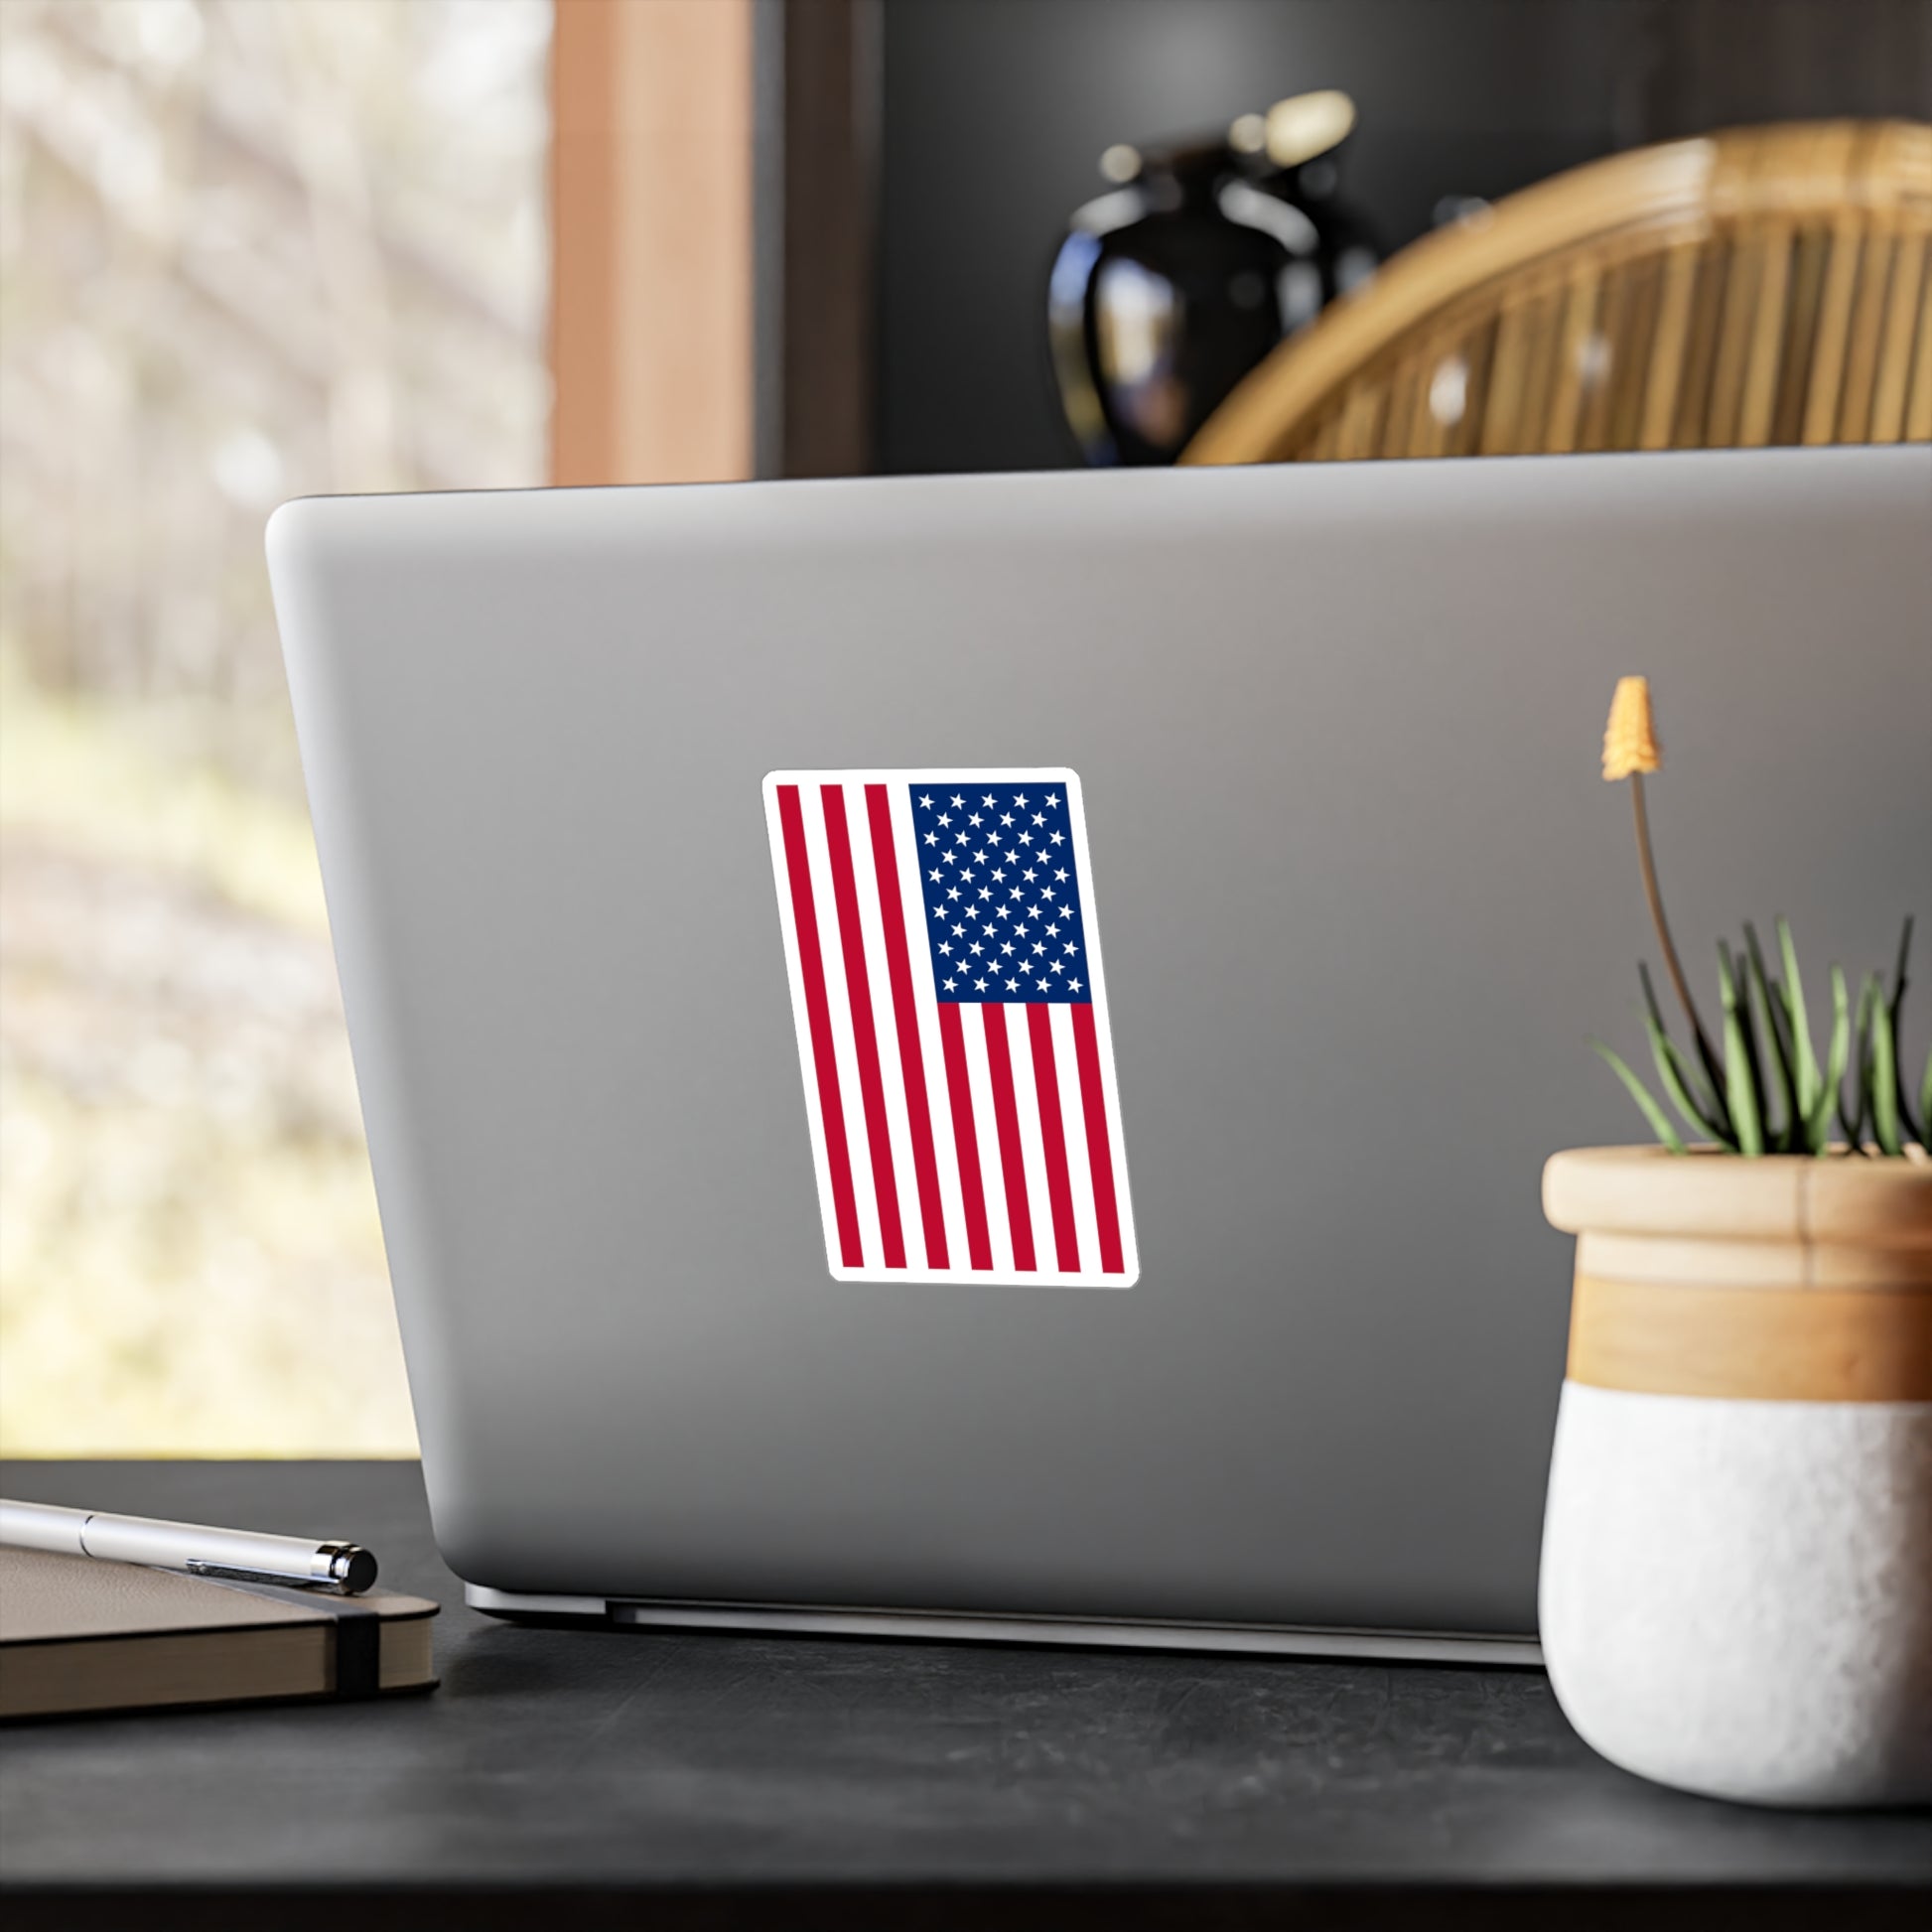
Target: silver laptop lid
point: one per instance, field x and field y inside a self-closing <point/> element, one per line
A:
<point x="1360" y="896"/>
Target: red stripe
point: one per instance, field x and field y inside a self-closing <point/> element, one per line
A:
<point x="818" y="1013"/>
<point x="911" y="1060"/>
<point x="979" y="1244"/>
<point x="871" y="1089"/>
<point x="1006" y="1116"/>
<point x="1059" y="1190"/>
<point x="1100" y="1156"/>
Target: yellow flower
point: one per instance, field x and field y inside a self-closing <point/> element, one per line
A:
<point x="1629" y="740"/>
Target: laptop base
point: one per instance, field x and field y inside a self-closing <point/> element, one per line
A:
<point x="1253" y="1639"/>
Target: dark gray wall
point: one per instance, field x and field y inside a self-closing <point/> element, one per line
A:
<point x="994" y="112"/>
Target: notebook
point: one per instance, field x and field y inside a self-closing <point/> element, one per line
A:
<point x="78" y="1635"/>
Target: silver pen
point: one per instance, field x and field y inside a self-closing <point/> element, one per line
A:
<point x="244" y="1555"/>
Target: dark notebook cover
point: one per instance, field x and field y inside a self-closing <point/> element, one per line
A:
<point x="76" y="1635"/>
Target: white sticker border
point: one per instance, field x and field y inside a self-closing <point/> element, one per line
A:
<point x="860" y="776"/>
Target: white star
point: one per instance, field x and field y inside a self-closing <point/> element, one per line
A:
<point x="1013" y="986"/>
<point x="998" y="878"/>
<point x="1004" y="913"/>
<point x="957" y="802"/>
<point x="1071" y="947"/>
<point x="1047" y="892"/>
<point x="1059" y="838"/>
<point x="1020" y="799"/>
<point x="959" y="933"/>
<point x="950" y="858"/>
<point x="993" y="838"/>
<point x="1018" y="891"/>
<point x="979" y="986"/>
<point x="1040" y="818"/>
<point x="976" y="949"/>
<point x="991" y="931"/>
<point x="1025" y="837"/>
<point x="1060" y="875"/>
<point x="1073" y="986"/>
<point x="1039" y="945"/>
<point x="1053" y="932"/>
<point x="1029" y="876"/>
<point x="932" y="838"/>
<point x="966" y="877"/>
<point x="987" y="800"/>
<point x="964" y="838"/>
<point x="1052" y="798"/>
<point x="1006" y="818"/>
<point x="1033" y="911"/>
<point x="946" y="945"/>
<point x="1008" y="947"/>
<point x="925" y="800"/>
<point x="1059" y="965"/>
<point x="1046" y="986"/>
<point x="973" y="820"/>
<point x="945" y="818"/>
<point x="952" y="891"/>
<point x="986" y="891"/>
<point x="950" y="984"/>
<point x="935" y="875"/>
<point x="979" y="858"/>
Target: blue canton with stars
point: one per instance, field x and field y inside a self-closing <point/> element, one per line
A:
<point x="1001" y="894"/>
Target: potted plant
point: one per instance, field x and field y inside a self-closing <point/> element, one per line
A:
<point x="1737" y="1580"/>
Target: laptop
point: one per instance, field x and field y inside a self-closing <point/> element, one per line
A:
<point x="972" y="1056"/>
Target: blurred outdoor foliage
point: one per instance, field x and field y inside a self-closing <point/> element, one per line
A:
<point x="249" y="249"/>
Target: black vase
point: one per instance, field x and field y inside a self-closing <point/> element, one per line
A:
<point x="1168" y="291"/>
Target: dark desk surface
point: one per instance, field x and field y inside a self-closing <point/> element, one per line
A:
<point x="596" y="1778"/>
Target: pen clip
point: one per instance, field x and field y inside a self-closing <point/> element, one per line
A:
<point x="233" y="1573"/>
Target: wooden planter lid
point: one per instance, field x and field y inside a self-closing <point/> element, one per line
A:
<point x="1783" y="1278"/>
<point x="1707" y="1195"/>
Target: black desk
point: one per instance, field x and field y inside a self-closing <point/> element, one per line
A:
<point x="590" y="1779"/>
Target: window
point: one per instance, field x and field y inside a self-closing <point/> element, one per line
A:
<point x="249" y="249"/>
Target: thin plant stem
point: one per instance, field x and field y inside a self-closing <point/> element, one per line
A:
<point x="1671" y="962"/>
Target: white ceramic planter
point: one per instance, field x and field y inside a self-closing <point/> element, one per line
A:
<point x="1737" y="1586"/>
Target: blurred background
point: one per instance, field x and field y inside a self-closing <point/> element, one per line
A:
<point x="249" y="249"/>
<point x="253" y="249"/>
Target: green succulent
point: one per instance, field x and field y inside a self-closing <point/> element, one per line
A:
<point x="1767" y="1092"/>
<point x="1770" y="1090"/>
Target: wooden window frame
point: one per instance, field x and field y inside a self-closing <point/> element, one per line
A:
<point x="713" y="215"/>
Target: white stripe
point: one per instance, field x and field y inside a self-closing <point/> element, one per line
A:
<point x="801" y="1019"/>
<point x="986" y="1129"/>
<point x="932" y="1048"/>
<point x="1073" y="1116"/>
<point x="851" y="1100"/>
<point x="1026" y="1098"/>
<point x="884" y="1027"/>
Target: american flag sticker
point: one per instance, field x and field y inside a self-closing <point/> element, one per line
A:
<point x="943" y="951"/>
